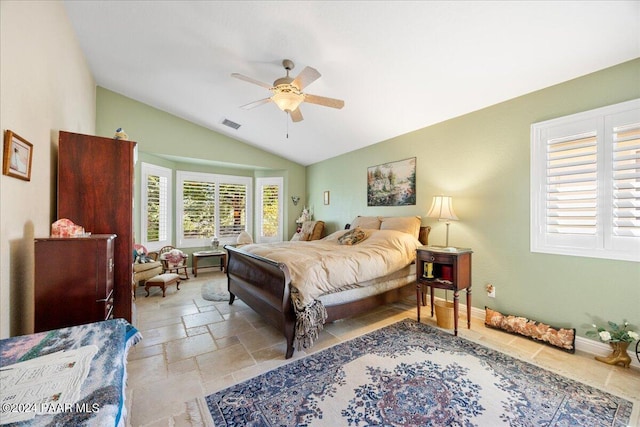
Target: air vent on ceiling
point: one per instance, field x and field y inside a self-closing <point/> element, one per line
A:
<point x="231" y="124"/>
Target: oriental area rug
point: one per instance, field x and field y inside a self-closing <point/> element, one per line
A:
<point x="411" y="374"/>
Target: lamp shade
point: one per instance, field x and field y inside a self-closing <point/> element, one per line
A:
<point x="442" y="208"/>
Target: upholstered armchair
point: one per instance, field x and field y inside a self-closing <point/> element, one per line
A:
<point x="174" y="261"/>
<point x="310" y="230"/>
<point x="145" y="265"/>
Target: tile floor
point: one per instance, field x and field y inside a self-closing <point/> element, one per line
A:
<point x="192" y="347"/>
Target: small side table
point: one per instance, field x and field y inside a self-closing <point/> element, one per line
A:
<point x="206" y="254"/>
<point x="438" y="267"/>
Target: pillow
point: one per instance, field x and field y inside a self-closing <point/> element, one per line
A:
<point x="371" y="222"/>
<point x="353" y="237"/>
<point x="244" y="238"/>
<point x="406" y="224"/>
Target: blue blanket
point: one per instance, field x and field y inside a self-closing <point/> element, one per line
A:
<point x="102" y="393"/>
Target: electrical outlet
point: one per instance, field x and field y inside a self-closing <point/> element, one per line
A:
<point x="491" y="290"/>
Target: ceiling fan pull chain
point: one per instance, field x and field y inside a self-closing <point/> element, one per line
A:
<point x="287" y="120"/>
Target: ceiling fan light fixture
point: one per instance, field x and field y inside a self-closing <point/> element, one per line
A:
<point x="287" y="98"/>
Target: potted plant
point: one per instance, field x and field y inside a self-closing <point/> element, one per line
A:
<point x="619" y="338"/>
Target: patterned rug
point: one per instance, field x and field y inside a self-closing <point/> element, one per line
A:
<point x="411" y="374"/>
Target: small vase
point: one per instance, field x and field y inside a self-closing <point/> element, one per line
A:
<point x="619" y="356"/>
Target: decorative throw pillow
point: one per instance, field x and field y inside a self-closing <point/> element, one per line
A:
<point x="369" y="222"/>
<point x="244" y="238"/>
<point x="406" y="224"/>
<point x="174" y="257"/>
<point x="352" y="237"/>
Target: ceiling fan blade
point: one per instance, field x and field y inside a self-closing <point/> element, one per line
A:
<point x="321" y="100"/>
<point x="296" y="115"/>
<point x="306" y="77"/>
<point x="250" y="80"/>
<point x="255" y="104"/>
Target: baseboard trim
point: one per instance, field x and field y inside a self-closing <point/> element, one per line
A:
<point x="584" y="345"/>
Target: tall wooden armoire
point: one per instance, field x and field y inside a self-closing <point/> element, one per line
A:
<point x="95" y="190"/>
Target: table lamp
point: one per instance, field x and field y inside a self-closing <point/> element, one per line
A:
<point x="442" y="208"/>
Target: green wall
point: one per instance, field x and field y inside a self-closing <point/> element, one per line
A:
<point x="482" y="160"/>
<point x="169" y="141"/>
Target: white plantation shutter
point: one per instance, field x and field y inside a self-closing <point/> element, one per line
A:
<point x="572" y="184"/>
<point x="270" y="212"/>
<point x="198" y="212"/>
<point x="233" y="210"/>
<point x="626" y="180"/>
<point x="157" y="203"/>
<point x="585" y="184"/>
<point x="156" y="200"/>
<point x="270" y="208"/>
<point x="211" y="205"/>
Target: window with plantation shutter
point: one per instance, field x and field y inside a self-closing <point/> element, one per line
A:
<point x="585" y="184"/>
<point x="209" y="205"/>
<point x="233" y="209"/>
<point x="572" y="184"/>
<point x="156" y="206"/>
<point x="269" y="201"/>
<point x="626" y="180"/>
<point x="198" y="209"/>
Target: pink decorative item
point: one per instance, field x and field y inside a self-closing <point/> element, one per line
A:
<point x="66" y="228"/>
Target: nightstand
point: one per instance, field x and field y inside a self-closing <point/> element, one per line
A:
<point x="444" y="268"/>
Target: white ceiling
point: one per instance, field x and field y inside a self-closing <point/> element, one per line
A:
<point x="399" y="66"/>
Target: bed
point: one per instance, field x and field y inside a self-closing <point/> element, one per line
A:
<point x="299" y="286"/>
<point x="36" y="390"/>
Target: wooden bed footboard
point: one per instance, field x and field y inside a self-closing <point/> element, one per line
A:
<point x="263" y="285"/>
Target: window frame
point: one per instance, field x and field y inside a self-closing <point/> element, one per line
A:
<point x="604" y="243"/>
<point x="260" y="182"/>
<point x="218" y="179"/>
<point x="147" y="169"/>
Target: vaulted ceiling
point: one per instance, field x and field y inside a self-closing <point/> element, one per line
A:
<point x="398" y="65"/>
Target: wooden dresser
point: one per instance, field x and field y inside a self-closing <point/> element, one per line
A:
<point x="73" y="281"/>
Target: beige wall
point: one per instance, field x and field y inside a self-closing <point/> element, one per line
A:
<point x="45" y="86"/>
<point x="482" y="160"/>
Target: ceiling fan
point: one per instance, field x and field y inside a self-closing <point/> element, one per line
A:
<point x="287" y="91"/>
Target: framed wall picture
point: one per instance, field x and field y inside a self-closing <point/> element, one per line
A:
<point x="326" y="197"/>
<point x="18" y="153"/>
<point x="392" y="184"/>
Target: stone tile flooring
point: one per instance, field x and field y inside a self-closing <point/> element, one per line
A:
<point x="192" y="347"/>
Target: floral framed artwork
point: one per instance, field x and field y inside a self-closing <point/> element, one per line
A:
<point x="392" y="184"/>
<point x="18" y="154"/>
